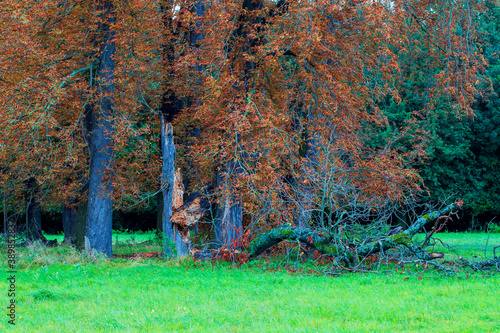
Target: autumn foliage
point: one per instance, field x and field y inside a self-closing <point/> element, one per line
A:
<point x="273" y="103"/>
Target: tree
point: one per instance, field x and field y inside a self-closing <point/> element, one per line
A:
<point x="100" y="203"/>
<point x="285" y="98"/>
<point x="180" y="34"/>
<point x="460" y="152"/>
<point x="62" y="70"/>
<point x="290" y="87"/>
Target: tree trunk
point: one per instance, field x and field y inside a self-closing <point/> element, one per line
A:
<point x="34" y="221"/>
<point x="100" y="201"/>
<point x="5" y="218"/>
<point x="173" y="243"/>
<point x="80" y="228"/>
<point x="229" y="224"/>
<point x="159" y="213"/>
<point x="229" y="227"/>
<point x="69" y="217"/>
<point x="33" y="212"/>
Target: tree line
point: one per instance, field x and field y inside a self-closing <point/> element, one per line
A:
<point x="250" y="114"/>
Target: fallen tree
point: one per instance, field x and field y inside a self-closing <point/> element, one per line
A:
<point x="347" y="252"/>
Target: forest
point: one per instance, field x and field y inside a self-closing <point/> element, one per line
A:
<point x="229" y="127"/>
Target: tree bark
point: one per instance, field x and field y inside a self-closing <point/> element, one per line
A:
<point x="229" y="227"/>
<point x="69" y="218"/>
<point x="159" y="213"/>
<point x="5" y="218"/>
<point x="33" y="212"/>
<point x="173" y="243"/>
<point x="100" y="201"/>
<point x="80" y="228"/>
<point x="178" y="190"/>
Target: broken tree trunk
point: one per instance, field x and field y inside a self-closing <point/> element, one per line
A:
<point x="173" y="190"/>
<point x="313" y="238"/>
<point x="171" y="105"/>
<point x="186" y="217"/>
<point x="182" y="243"/>
<point x="167" y="181"/>
<point x="332" y="245"/>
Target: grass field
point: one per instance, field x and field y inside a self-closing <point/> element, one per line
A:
<point x="60" y="290"/>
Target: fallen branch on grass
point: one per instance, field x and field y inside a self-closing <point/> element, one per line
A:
<point x="482" y="264"/>
<point x="348" y="253"/>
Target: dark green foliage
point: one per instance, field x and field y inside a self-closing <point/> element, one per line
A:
<point x="463" y="155"/>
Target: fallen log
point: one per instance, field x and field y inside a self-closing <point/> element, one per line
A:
<point x="482" y="264"/>
<point x="203" y="254"/>
<point x="313" y="238"/>
<point x="330" y="244"/>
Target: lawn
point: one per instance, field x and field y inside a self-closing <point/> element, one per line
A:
<point x="63" y="291"/>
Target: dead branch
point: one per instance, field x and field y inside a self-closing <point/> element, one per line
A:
<point x="332" y="245"/>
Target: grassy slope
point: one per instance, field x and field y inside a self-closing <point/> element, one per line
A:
<point x="157" y="296"/>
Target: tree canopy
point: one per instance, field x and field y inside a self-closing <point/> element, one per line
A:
<point x="304" y="113"/>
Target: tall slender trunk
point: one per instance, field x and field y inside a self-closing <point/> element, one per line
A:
<point x="5" y="218"/>
<point x="100" y="201"/>
<point x="167" y="184"/>
<point x="229" y="227"/>
<point x="159" y="213"/>
<point x="69" y="218"/>
<point x="80" y="228"/>
<point x="33" y="212"/>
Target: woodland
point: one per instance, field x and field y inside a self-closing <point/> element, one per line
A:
<point x="236" y="128"/>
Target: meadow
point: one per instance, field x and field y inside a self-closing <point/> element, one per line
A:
<point x="62" y="290"/>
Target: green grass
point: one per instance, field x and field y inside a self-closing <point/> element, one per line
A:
<point x="65" y="291"/>
<point x="117" y="237"/>
<point x="127" y="243"/>
<point x="467" y="245"/>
